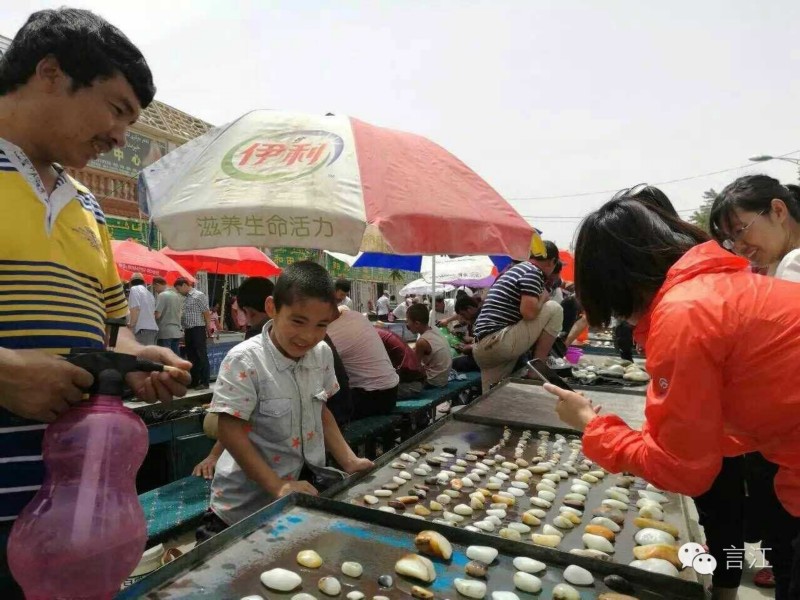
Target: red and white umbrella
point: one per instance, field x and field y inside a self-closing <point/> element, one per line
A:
<point x="225" y="261"/>
<point x="132" y="257"/>
<point x="274" y="179"/>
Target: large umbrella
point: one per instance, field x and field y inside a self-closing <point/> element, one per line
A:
<point x="335" y="183"/>
<point x="225" y="261"/>
<point x="131" y="257"/>
<point x="420" y="287"/>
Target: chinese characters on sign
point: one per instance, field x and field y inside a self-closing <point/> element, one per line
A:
<point x="252" y="225"/>
<point x="139" y="152"/>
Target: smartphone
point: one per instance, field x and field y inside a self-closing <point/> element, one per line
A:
<point x="540" y="367"/>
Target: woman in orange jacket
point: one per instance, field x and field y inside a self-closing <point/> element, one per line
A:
<point x="722" y="350"/>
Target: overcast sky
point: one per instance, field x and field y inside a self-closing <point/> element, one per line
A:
<point x="541" y="98"/>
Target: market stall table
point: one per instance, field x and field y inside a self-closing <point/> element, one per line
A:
<point x="229" y="566"/>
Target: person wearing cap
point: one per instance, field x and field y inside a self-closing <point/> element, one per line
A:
<point x="517" y="316"/>
<point x="142" y="305"/>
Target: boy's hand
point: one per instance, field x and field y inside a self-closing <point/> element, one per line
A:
<point x="296" y="486"/>
<point x="356" y="464"/>
<point x="205" y="468"/>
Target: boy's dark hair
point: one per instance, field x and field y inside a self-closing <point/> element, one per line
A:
<point x="418" y="313"/>
<point x="86" y="46"/>
<point x="159" y="281"/>
<point x="753" y="193"/>
<point x="181" y="281"/>
<point x="622" y="256"/>
<point x="465" y="302"/>
<point x="253" y="293"/>
<point x="343" y="285"/>
<point x="303" y="280"/>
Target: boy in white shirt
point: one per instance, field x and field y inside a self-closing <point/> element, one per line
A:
<point x="270" y="396"/>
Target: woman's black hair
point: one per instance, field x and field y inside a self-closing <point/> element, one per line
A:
<point x="302" y="281"/>
<point x="653" y="197"/>
<point x="752" y="193"/>
<point x="86" y="46"/>
<point x="622" y="256"/>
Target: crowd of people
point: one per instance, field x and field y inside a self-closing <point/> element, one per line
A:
<point x="716" y="314"/>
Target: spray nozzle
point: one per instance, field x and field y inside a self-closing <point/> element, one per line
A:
<point x="108" y="367"/>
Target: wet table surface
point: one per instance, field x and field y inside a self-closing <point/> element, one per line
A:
<point x="528" y="405"/>
<point x="465" y="437"/>
<point x="234" y="571"/>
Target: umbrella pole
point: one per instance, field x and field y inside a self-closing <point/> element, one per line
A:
<point x="432" y="318"/>
<point x="222" y="305"/>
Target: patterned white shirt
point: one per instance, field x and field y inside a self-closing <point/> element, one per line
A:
<point x="282" y="401"/>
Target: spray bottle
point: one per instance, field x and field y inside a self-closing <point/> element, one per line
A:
<point x="84" y="531"/>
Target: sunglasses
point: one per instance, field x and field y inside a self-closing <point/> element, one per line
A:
<point x="730" y="242"/>
<point x="631" y="192"/>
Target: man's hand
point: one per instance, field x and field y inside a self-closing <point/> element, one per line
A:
<point x="205" y="468"/>
<point x="356" y="465"/>
<point x="152" y="387"/>
<point x="296" y="486"/>
<point x="574" y="409"/>
<point x="39" y="386"/>
<point x="543" y="298"/>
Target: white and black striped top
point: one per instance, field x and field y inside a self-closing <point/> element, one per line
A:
<point x="501" y="307"/>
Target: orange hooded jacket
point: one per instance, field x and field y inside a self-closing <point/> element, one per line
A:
<point x="723" y="352"/>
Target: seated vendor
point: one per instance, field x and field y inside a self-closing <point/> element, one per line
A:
<point x="405" y="362"/>
<point x="373" y="379"/>
<point x="431" y="348"/>
<point x="467" y="310"/>
<point x="517" y="317"/>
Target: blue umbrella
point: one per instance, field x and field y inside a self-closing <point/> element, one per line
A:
<point x="409" y="263"/>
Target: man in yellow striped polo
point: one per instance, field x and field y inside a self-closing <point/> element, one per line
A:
<point x="70" y="86"/>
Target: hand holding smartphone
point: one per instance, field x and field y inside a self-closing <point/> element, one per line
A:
<point x="539" y="367"/>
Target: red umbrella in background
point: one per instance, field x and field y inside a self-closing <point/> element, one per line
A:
<point x="131" y="257"/>
<point x="568" y="270"/>
<point x="247" y="261"/>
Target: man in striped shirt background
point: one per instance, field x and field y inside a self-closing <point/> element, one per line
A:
<point x="516" y="317"/>
<point x="70" y="86"/>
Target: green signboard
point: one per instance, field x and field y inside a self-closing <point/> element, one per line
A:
<point x="137" y="230"/>
<point x="139" y="152"/>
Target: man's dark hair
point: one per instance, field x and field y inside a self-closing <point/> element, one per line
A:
<point x="86" y="46"/>
<point x="159" y="281"/>
<point x="752" y="193"/>
<point x="181" y="281"/>
<point x="465" y="302"/>
<point x="302" y="281"/>
<point x="622" y="256"/>
<point x="343" y="285"/>
<point x="558" y="268"/>
<point x="551" y="251"/>
<point x="439" y="299"/>
<point x="253" y="293"/>
<point x="418" y="313"/>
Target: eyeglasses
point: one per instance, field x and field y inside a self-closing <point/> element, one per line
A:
<point x="730" y="243"/>
<point x="631" y="192"/>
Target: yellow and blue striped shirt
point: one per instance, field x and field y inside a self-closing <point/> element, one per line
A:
<point x="58" y="284"/>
